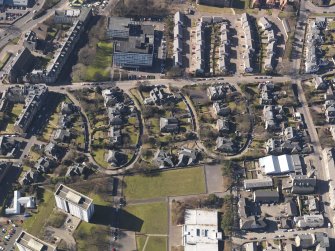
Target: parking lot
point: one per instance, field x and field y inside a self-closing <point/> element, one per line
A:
<point x="9" y="232"/>
<point x="9" y="15"/>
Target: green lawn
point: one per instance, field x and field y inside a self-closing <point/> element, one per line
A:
<point x="5" y="59"/>
<point x="140" y="240"/>
<point x="168" y="183"/>
<point x="92" y="237"/>
<point x="152" y="218"/>
<point x="99" y="156"/>
<point x="156" y="243"/>
<point x="101" y="63"/>
<point x="35" y="223"/>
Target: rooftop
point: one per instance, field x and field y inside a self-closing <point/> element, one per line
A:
<point x="73" y="196"/>
<point x="30" y="242"/>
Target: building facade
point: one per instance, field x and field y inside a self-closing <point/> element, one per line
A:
<point x="74" y="203"/>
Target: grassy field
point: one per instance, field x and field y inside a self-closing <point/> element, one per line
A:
<point x="35" y="223"/>
<point x="99" y="156"/>
<point x="156" y="243"/>
<point x="92" y="237"/>
<point x="140" y="240"/>
<point x="5" y="59"/>
<point x="153" y="218"/>
<point x="101" y="63"/>
<point x="169" y="183"/>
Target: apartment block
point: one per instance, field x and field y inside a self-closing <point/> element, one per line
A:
<point x="74" y="203"/>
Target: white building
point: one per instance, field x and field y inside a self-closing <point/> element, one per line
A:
<point x="200" y="232"/>
<point x="18" y="201"/>
<point x="28" y="242"/>
<point x="280" y="164"/>
<point x="307" y="221"/>
<point x="74" y="203"/>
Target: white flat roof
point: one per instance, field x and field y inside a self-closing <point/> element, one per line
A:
<point x="200" y="232"/>
<point x="277" y="164"/>
<point x="201" y="217"/>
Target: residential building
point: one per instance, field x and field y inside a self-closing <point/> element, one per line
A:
<point x="248" y="43"/>
<point x="18" y="202"/>
<point x="133" y="43"/>
<point x="20" y="66"/>
<point x="250" y="184"/>
<point x="291" y="208"/>
<point x="220" y="92"/>
<point x="76" y="169"/>
<point x="116" y="158"/>
<point x="159" y="96"/>
<point x="223" y="125"/>
<point x="283" y="164"/>
<point x="201" y="230"/>
<point x="300" y="184"/>
<point x="74" y="203"/>
<point x="319" y="84"/>
<point x="43" y="165"/>
<point x="224" y="144"/>
<point x="308" y="221"/>
<point x="62" y="135"/>
<point x="164" y="160"/>
<point x="28" y="242"/>
<point x="221" y="109"/>
<point x="33" y="102"/>
<point x="53" y="69"/>
<point x="169" y="125"/>
<point x="200" y="46"/>
<point x="312" y="41"/>
<point x="223" y="62"/>
<point x="9" y="147"/>
<point x="266" y="196"/>
<point x="272" y="116"/>
<point x="66" y="16"/>
<point x="179" y="19"/>
<point x="252" y="223"/>
<point x="187" y="157"/>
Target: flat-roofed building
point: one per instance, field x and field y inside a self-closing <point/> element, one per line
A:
<point x="28" y="242"/>
<point x="283" y="164"/>
<point x="201" y="231"/>
<point x="74" y="203"/>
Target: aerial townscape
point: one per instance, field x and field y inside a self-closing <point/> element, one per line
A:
<point x="167" y="125"/>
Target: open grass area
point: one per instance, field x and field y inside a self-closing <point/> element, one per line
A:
<point x="92" y="237"/>
<point x="35" y="223"/>
<point x="99" y="156"/>
<point x="152" y="218"/>
<point x="5" y="59"/>
<point x="214" y="10"/>
<point x="140" y="241"/>
<point x="156" y="243"/>
<point x="99" y="70"/>
<point x="168" y="183"/>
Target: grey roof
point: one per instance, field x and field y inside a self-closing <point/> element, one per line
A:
<point x="252" y="223"/>
<point x="266" y="196"/>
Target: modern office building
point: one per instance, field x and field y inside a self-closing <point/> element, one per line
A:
<point x="133" y="43"/>
<point x="28" y="242"/>
<point x="74" y="203"/>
